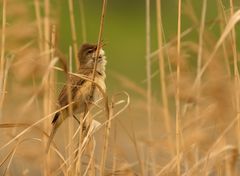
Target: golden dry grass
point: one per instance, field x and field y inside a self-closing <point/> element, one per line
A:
<point x="192" y="128"/>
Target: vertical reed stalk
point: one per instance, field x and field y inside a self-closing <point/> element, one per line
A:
<point x="148" y="67"/>
<point x="114" y="153"/>
<point x="108" y="111"/>
<point x="90" y="169"/>
<point x="93" y="164"/>
<point x="162" y="75"/>
<point x="178" y="109"/>
<point x="200" y="44"/>
<point x="39" y="25"/>
<point x="149" y="85"/>
<point x="52" y="75"/>
<point x="141" y="163"/>
<point x="73" y="31"/>
<point x="199" y="60"/>
<point x="222" y="25"/>
<point x="222" y="13"/>
<point x="108" y="114"/>
<point x="83" y="22"/>
<point x="2" y="62"/>
<point x="104" y="153"/>
<point x="104" y="5"/>
<point x="47" y="84"/>
<point x="236" y="72"/>
<point x="106" y="141"/>
<point x="79" y="156"/>
<point x="70" y="124"/>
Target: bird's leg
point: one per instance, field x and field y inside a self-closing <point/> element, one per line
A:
<point x="76" y="119"/>
<point x="86" y="109"/>
<point x="83" y="126"/>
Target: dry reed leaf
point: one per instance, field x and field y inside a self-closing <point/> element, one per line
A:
<point x="219" y="154"/>
<point x="230" y="25"/>
<point x="130" y="84"/>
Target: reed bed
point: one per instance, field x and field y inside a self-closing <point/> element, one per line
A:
<point x="184" y="121"/>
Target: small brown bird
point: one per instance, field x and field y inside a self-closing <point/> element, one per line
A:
<point x="82" y="91"/>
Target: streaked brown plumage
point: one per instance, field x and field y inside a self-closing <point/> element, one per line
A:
<point x="82" y="93"/>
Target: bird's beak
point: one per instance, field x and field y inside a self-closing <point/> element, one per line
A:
<point x="101" y="53"/>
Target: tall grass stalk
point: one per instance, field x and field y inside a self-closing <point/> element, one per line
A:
<point x="2" y="62"/>
<point x="162" y="76"/>
<point x="73" y="32"/>
<point x="223" y="16"/>
<point x="78" y="170"/>
<point x="149" y="86"/>
<point x="108" y="110"/>
<point x="114" y="153"/>
<point x="83" y="22"/>
<point x="200" y="43"/>
<point x="52" y="74"/>
<point x="106" y="142"/>
<point x="47" y="84"/>
<point x="178" y="108"/>
<point x="104" y="5"/>
<point x="199" y="61"/>
<point x="230" y="25"/>
<point x="228" y="165"/>
<point x="136" y="146"/>
<point x="71" y="122"/>
<point x="236" y="71"/>
<point x="39" y="24"/>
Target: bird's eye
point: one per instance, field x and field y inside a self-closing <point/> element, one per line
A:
<point x="89" y="51"/>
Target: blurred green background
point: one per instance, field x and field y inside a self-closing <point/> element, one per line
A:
<point x="124" y="31"/>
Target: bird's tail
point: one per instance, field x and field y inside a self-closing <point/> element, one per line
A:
<point x="53" y="131"/>
<point x="55" y="117"/>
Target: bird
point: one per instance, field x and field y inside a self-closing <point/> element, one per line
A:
<point x="83" y="93"/>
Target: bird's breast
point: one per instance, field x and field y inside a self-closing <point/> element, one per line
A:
<point x="100" y="80"/>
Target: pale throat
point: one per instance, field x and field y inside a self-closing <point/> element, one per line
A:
<point x="102" y="63"/>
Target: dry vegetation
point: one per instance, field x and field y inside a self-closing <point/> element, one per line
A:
<point x="193" y="128"/>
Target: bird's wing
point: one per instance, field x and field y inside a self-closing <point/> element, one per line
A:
<point x="74" y="84"/>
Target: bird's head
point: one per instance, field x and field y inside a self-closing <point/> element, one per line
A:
<point x="87" y="55"/>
